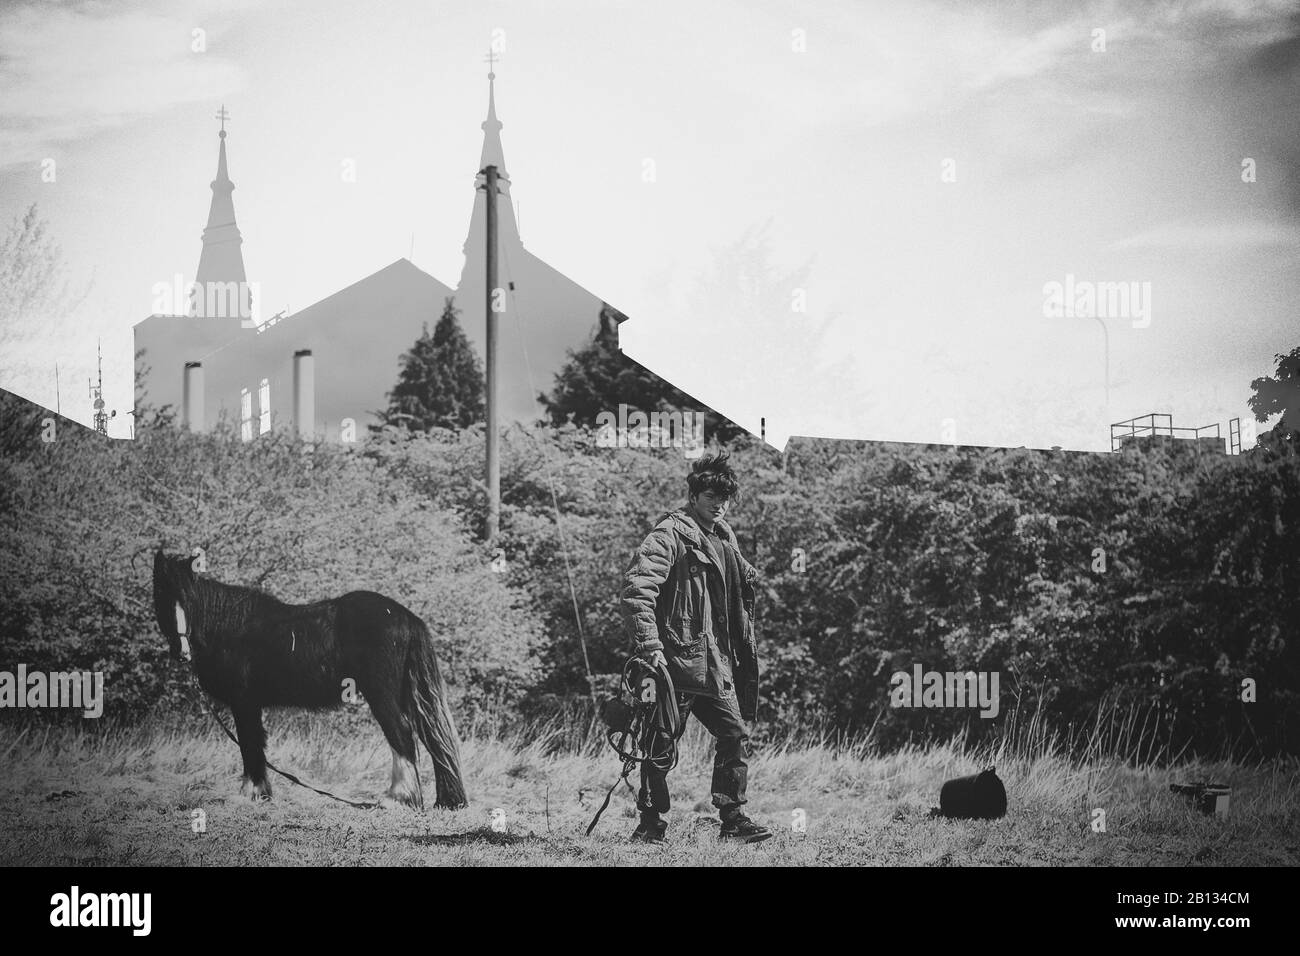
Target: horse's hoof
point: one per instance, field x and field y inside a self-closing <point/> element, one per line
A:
<point x="255" y="791"/>
<point x="399" y="801"/>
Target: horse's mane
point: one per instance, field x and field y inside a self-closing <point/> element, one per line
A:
<point x="212" y="603"/>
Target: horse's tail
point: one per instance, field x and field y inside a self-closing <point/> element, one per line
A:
<point x="431" y="717"/>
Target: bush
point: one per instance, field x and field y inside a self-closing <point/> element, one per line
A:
<point x="85" y="514"/>
<point x="1150" y="583"/>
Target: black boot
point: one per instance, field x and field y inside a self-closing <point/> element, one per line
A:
<point x="651" y="829"/>
<point x="736" y="826"/>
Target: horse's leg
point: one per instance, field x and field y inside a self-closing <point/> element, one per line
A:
<point x="252" y="745"/>
<point x="404" y="787"/>
<point x="373" y="639"/>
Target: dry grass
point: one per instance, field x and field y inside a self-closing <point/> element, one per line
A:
<point x="124" y="796"/>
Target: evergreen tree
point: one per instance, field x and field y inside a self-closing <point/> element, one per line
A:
<point x="599" y="377"/>
<point x="441" y="382"/>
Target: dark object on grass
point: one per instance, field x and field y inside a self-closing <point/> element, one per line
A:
<point x="251" y="651"/>
<point x="1209" y="798"/>
<point x="981" y="797"/>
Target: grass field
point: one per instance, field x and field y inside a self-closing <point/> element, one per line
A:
<point x="127" y="796"/>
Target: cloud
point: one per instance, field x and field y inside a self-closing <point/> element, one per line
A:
<point x="995" y="59"/>
<point x="68" y="72"/>
<point x="1213" y="236"/>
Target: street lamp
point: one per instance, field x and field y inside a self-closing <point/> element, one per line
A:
<point x="1105" y="335"/>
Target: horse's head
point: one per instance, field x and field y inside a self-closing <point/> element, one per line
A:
<point x="173" y="580"/>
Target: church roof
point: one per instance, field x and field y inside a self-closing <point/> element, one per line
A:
<point x="363" y="303"/>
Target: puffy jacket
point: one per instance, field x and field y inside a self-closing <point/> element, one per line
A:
<point x="666" y="605"/>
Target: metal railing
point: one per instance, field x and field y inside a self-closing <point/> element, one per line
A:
<point x="1156" y="425"/>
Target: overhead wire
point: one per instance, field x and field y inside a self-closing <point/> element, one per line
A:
<point x="555" y="503"/>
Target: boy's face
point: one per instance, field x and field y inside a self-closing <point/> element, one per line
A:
<point x="710" y="505"/>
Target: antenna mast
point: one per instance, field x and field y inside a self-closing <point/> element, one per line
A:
<point x="97" y="393"/>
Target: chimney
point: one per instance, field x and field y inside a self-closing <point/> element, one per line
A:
<point x="192" y="401"/>
<point x="304" y="394"/>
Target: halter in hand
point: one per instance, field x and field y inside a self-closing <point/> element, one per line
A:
<point x="652" y="717"/>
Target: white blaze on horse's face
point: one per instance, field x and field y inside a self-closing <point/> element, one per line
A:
<point x="183" y="631"/>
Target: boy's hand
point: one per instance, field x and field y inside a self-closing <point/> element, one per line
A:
<point x="654" y="658"/>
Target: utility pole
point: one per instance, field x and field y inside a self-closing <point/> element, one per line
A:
<point x="493" y="449"/>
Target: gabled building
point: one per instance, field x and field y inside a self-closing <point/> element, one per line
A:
<point x="545" y="312"/>
<point x="327" y="369"/>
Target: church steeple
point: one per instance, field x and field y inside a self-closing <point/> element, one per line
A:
<point x="221" y="259"/>
<point x="492" y="154"/>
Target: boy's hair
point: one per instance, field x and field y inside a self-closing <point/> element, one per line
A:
<point x="713" y="473"/>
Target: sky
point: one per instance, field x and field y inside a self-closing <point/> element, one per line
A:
<point x="920" y="172"/>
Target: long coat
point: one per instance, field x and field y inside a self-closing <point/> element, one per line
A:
<point x="666" y="605"/>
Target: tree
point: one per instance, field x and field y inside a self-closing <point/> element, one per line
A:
<point x="1280" y="393"/>
<point x="36" y="302"/>
<point x="599" y="377"/>
<point x="753" y="337"/>
<point x="441" y="382"/>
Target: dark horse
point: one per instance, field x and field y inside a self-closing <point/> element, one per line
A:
<point x="251" y="651"/>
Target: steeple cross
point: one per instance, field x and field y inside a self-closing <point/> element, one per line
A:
<point x="491" y="61"/>
<point x="223" y="116"/>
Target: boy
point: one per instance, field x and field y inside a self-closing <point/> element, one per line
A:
<point x="688" y="600"/>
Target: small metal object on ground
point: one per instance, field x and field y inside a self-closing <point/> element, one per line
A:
<point x="1209" y="798"/>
